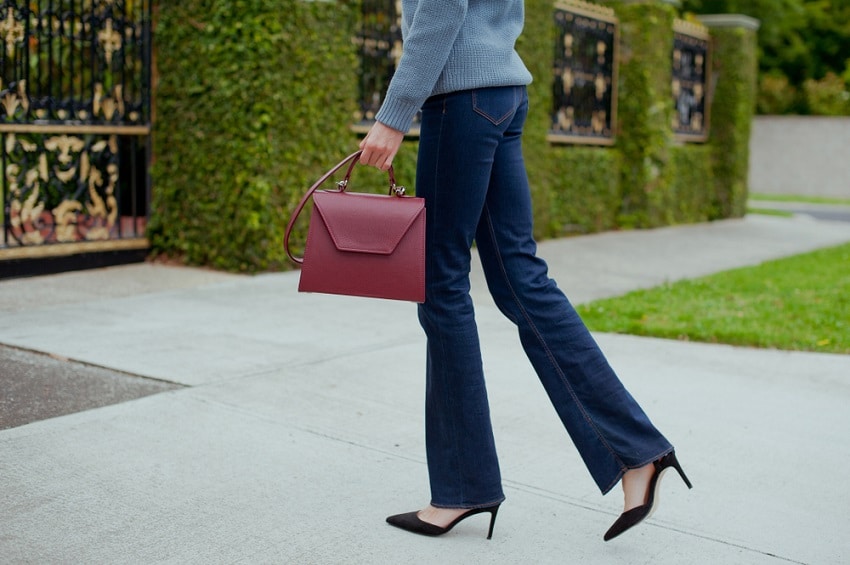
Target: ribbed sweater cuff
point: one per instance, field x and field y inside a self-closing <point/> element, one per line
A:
<point x="398" y="115"/>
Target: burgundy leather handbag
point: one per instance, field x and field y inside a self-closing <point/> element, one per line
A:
<point x="361" y="244"/>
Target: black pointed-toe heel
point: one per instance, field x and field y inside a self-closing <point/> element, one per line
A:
<point x="638" y="514"/>
<point x="410" y="521"/>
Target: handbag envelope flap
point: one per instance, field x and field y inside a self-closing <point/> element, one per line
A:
<point x="367" y="223"/>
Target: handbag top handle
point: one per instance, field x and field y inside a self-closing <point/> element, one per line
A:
<point x="342" y="185"/>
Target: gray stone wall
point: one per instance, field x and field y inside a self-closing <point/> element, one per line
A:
<point x="800" y="155"/>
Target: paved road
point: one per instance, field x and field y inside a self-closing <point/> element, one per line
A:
<point x="37" y="386"/>
<point x="829" y="212"/>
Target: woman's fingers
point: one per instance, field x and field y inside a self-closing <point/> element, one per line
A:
<point x="380" y="146"/>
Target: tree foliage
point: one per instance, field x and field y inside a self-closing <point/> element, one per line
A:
<point x="804" y="58"/>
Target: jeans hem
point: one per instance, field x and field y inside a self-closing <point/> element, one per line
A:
<point x="623" y="470"/>
<point x="470" y="506"/>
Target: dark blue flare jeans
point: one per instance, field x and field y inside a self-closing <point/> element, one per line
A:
<point x="472" y="176"/>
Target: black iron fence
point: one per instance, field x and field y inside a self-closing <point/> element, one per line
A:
<point x="584" y="71"/>
<point x="75" y="117"/>
<point x="690" y="73"/>
<point x="584" y="87"/>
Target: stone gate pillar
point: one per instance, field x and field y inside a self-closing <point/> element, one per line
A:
<point x="734" y="69"/>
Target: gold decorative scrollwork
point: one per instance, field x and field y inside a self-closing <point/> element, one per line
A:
<point x="111" y="41"/>
<point x="66" y="216"/>
<point x="584" y="74"/>
<point x="11" y="31"/>
<point x="569" y="39"/>
<point x="26" y="215"/>
<point x="601" y="84"/>
<point x="106" y="106"/>
<point x="70" y="165"/>
<point x="13" y="100"/>
<point x="35" y="31"/>
<point x="74" y="81"/>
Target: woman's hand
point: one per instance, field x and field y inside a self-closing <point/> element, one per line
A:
<point x="380" y="146"/>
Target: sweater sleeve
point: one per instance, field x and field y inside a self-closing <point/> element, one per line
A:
<point x="429" y="40"/>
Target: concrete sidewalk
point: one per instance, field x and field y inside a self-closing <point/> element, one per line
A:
<point x="299" y="427"/>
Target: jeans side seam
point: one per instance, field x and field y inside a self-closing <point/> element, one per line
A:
<point x="441" y="344"/>
<point x="543" y="342"/>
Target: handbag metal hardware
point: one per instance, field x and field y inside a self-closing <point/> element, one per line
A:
<point x="395" y="190"/>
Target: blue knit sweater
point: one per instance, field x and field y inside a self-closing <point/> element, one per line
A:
<point x="452" y="45"/>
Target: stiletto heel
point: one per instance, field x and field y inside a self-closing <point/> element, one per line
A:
<point x="675" y="463"/>
<point x="493" y="513"/>
<point x="411" y="522"/>
<point x="638" y="514"/>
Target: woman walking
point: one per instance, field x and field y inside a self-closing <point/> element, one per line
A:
<point x="459" y="66"/>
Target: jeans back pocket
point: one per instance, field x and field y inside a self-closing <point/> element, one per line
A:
<point x="496" y="104"/>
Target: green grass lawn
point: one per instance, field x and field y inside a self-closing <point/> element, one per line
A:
<point x="801" y="199"/>
<point x="799" y="303"/>
<point x="769" y="212"/>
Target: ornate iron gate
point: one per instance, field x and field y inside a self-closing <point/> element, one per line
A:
<point x="75" y="122"/>
<point x="584" y="101"/>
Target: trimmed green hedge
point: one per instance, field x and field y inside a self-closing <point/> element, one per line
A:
<point x="645" y="108"/>
<point x="575" y="188"/>
<point x="691" y="184"/>
<point x="254" y="100"/>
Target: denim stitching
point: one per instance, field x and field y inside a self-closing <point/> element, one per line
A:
<point x="442" y="345"/>
<point x="486" y="116"/>
<point x="544" y="344"/>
